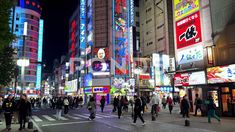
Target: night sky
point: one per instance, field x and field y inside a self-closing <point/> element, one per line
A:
<point x="56" y="14"/>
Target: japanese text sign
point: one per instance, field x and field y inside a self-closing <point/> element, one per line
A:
<point x="188" y="31"/>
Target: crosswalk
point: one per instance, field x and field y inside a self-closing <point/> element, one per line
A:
<point x="72" y="116"/>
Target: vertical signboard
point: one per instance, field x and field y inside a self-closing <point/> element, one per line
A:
<point x="121" y="46"/>
<point x="156" y="65"/>
<point x="40" y="43"/>
<point x="83" y="24"/>
<point x="188" y="31"/>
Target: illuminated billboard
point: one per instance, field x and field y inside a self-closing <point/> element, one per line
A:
<point x="83" y="24"/>
<point x="191" y="78"/>
<point x="40" y="44"/>
<point x="101" y="67"/>
<point x="120" y="38"/>
<point x="221" y="74"/>
<point x="183" y="8"/>
<point x="87" y="80"/>
<point x="190" y="55"/>
<point x="31" y="4"/>
<point x="160" y="66"/>
<point x="188" y="31"/>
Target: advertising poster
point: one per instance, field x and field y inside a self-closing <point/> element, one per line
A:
<point x="88" y="80"/>
<point x="197" y="78"/>
<point x="181" y="79"/>
<point x="221" y="74"/>
<point x="190" y="55"/>
<point x="183" y="8"/>
<point x="188" y="31"/>
<point x="191" y="78"/>
<point x="121" y="51"/>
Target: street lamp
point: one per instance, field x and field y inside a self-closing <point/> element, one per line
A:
<point x="137" y="73"/>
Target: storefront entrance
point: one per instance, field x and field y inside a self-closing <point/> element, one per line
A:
<point x="228" y="101"/>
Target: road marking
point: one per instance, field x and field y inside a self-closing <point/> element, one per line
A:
<point x="61" y="118"/>
<point x="36" y="118"/>
<point x="109" y="115"/>
<point x="95" y="116"/>
<point x="82" y="116"/>
<point x="73" y="117"/>
<point x="36" y="125"/>
<point x="48" y="118"/>
<point x="66" y="123"/>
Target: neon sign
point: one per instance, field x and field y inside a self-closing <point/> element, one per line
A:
<point x="83" y="24"/>
<point x="40" y="42"/>
<point x="121" y="46"/>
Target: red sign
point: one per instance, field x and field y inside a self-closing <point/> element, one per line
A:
<point x="188" y="31"/>
<point x="181" y="79"/>
<point x="144" y="77"/>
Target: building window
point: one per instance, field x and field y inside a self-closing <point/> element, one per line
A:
<point x="137" y="14"/>
<point x="137" y="24"/>
<point x="160" y="39"/>
<point x="150" y="43"/>
<point x="149" y="9"/>
<point x="137" y="34"/>
<point x="148" y="21"/>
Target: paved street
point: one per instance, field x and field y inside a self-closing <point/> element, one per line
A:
<point x="77" y="120"/>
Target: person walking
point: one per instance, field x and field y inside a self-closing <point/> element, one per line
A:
<point x="164" y="102"/>
<point x="115" y="103"/>
<point x="155" y="104"/>
<point x="66" y="105"/>
<point x="211" y="109"/>
<point x="144" y="103"/>
<point x="119" y="106"/>
<point x="125" y="105"/>
<point x="81" y="102"/>
<point x="24" y="110"/>
<point x="91" y="106"/>
<point x="198" y="104"/>
<point x="1" y="103"/>
<point x="170" y="104"/>
<point x="8" y="107"/>
<point x="185" y="106"/>
<point x="102" y="103"/>
<point x="59" y="105"/>
<point x="137" y="110"/>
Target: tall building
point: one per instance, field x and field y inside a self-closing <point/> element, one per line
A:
<point x="103" y="42"/>
<point x="156" y="27"/>
<point x="29" y="46"/>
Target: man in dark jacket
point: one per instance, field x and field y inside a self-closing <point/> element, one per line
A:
<point x="59" y="105"/>
<point x="137" y="110"/>
<point x="8" y="107"/>
<point x="102" y="103"/>
<point x="185" y="106"/>
<point x="24" y="110"/>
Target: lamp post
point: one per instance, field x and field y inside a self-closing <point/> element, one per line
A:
<point x="137" y="73"/>
<point x="23" y="62"/>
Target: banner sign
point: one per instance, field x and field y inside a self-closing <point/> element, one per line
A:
<point x="183" y="8"/>
<point x="221" y="74"/>
<point x="188" y="31"/>
<point x="190" y="55"/>
<point x="191" y="78"/>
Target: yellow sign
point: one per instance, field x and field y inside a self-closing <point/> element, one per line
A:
<point x="183" y="8"/>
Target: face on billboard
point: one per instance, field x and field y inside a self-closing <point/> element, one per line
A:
<point x="190" y="55"/>
<point x="188" y="31"/>
<point x="101" y="54"/>
<point x="184" y="7"/>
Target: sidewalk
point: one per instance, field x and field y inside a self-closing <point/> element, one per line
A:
<point x="14" y="128"/>
<point x="226" y="124"/>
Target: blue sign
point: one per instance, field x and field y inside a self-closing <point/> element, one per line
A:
<point x="83" y="24"/>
